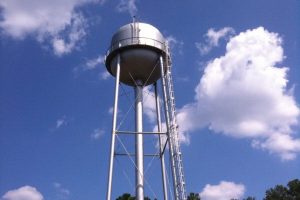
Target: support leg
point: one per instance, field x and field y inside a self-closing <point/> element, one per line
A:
<point x="162" y="157"/>
<point x="139" y="158"/>
<point x="114" y="125"/>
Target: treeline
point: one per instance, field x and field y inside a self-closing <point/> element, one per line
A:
<point x="280" y="192"/>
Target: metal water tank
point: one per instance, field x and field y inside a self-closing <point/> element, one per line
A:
<point x="139" y="45"/>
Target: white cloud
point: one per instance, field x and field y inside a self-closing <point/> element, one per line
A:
<point x="127" y="6"/>
<point x="23" y="193"/>
<point x="149" y="105"/>
<point x="111" y="110"/>
<point x="97" y="134"/>
<point x="94" y="62"/>
<point x="75" y="33"/>
<point x="120" y="112"/>
<point x="56" y="23"/>
<point x="183" y="136"/>
<point x="282" y="144"/>
<point x="105" y="75"/>
<point x="61" y="122"/>
<point x="223" y="191"/>
<point x="212" y="39"/>
<point x="61" y="192"/>
<point x="173" y="43"/>
<point x="244" y="94"/>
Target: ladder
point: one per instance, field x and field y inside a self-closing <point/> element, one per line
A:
<point x="174" y="140"/>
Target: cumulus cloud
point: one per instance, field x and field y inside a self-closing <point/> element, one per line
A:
<point x="244" y="94"/>
<point x="56" y="23"/>
<point x="183" y="136"/>
<point x="23" y="193"/>
<point x="284" y="145"/>
<point x="212" y="38"/>
<point x="223" y="191"/>
<point x="149" y="107"/>
<point x="127" y="6"/>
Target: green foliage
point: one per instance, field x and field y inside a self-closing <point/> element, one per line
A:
<point x="280" y="192"/>
<point x="294" y="189"/>
<point x="193" y="196"/>
<point x="127" y="196"/>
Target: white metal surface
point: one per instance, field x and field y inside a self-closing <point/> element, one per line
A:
<point x="160" y="139"/>
<point x="137" y="33"/>
<point x="132" y="58"/>
<point x="139" y="45"/>
<point x="167" y="118"/>
<point x="172" y="126"/>
<point x="113" y="133"/>
<point x="139" y="151"/>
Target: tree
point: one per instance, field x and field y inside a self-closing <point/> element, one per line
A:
<point x="193" y="196"/>
<point x="294" y="188"/>
<point x="127" y="196"/>
<point x="250" y="198"/>
<point x="280" y="192"/>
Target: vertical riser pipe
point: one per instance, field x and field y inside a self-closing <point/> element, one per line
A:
<point x="139" y="152"/>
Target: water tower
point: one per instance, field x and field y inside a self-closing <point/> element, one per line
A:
<point x="139" y="56"/>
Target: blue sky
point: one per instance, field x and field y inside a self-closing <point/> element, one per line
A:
<point x="236" y="78"/>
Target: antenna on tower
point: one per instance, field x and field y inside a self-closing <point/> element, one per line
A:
<point x="133" y="18"/>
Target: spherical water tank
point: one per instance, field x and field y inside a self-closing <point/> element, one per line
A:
<point x="139" y="45"/>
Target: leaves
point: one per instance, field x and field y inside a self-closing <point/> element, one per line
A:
<point x="280" y="192"/>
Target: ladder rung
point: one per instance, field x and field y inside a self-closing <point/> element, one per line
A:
<point x="180" y="194"/>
